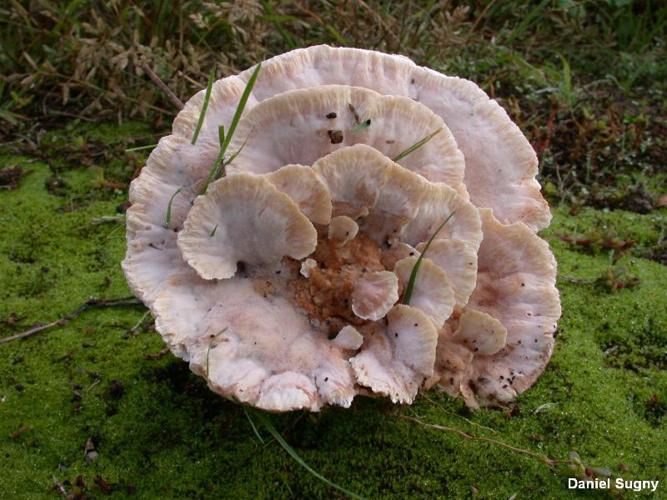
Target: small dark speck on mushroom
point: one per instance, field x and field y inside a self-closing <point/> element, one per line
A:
<point x="335" y="136"/>
<point x="353" y="110"/>
<point x="416" y="324"/>
<point x="278" y="271"/>
<point x="395" y="334"/>
<point x="326" y="379"/>
<point x="331" y="115"/>
<point x="476" y="349"/>
<point x="411" y="254"/>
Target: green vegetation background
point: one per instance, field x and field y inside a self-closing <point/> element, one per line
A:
<point x="94" y="409"/>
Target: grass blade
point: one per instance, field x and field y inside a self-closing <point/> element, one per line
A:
<point x="361" y="126"/>
<point x="212" y="174"/>
<point x="281" y="440"/>
<point x="236" y="153"/>
<point x="252" y="424"/>
<point x="140" y="148"/>
<point x="167" y="219"/>
<point x="526" y="22"/>
<point x="239" y="109"/>
<point x="207" y="97"/>
<point x="407" y="295"/>
<point x="416" y="145"/>
<point x="218" y="168"/>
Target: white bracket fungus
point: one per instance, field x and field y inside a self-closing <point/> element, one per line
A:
<point x="283" y="283"/>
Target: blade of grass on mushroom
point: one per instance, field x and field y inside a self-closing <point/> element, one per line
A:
<point x="225" y="138"/>
<point x="202" y="114"/>
<point x="361" y="126"/>
<point x="167" y="219"/>
<point x="407" y="295"/>
<point x="140" y="148"/>
<point x="210" y="344"/>
<point x="242" y="102"/>
<point x="281" y="440"/>
<point x="416" y="145"/>
<point x="231" y="159"/>
<point x="216" y="164"/>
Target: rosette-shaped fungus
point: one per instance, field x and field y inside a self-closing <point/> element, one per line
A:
<point x="296" y="280"/>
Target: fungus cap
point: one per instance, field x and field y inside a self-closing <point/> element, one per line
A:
<point x="342" y="229"/>
<point x="397" y="361"/>
<point x="516" y="300"/>
<point x="293" y="127"/>
<point x="243" y="218"/>
<point x="349" y="338"/>
<point x="306" y="189"/>
<point x="374" y="294"/>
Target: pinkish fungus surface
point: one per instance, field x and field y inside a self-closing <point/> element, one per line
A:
<point x="296" y="279"/>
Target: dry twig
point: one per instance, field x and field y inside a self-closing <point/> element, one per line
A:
<point x="89" y="304"/>
<point x="163" y="86"/>
<point x="539" y="456"/>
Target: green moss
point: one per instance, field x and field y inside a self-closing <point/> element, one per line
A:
<point x="160" y="432"/>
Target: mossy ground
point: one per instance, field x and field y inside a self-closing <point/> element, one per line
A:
<point x="159" y="432"/>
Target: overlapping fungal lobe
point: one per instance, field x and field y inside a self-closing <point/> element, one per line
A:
<point x="290" y="282"/>
<point x="284" y="311"/>
<point x="503" y="340"/>
<point x="500" y="164"/>
<point x="243" y="218"/>
<point x="304" y="125"/>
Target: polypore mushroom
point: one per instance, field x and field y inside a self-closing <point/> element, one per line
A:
<point x="293" y="281"/>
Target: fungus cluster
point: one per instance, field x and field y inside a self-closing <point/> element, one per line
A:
<point x="374" y="232"/>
